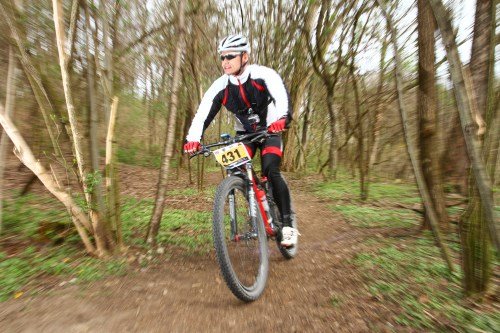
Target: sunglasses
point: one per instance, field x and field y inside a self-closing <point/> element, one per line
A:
<point x="229" y="56"/>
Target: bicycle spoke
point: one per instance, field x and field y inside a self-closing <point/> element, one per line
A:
<point x="241" y="238"/>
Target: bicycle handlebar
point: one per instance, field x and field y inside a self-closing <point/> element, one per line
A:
<point x="205" y="149"/>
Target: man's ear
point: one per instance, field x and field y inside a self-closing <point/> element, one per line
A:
<point x="245" y="57"/>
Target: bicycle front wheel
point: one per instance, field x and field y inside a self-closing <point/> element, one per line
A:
<point x="240" y="241"/>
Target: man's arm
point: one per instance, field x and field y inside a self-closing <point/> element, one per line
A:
<point x="277" y="90"/>
<point x="207" y="110"/>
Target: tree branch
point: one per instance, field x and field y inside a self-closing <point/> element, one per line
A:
<point x="121" y="53"/>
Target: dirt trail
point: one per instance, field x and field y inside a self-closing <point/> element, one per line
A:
<point x="185" y="293"/>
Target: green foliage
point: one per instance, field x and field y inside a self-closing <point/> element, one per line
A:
<point x="408" y="273"/>
<point x="29" y="219"/>
<point x="132" y="132"/>
<point x="24" y="215"/>
<point x="412" y="274"/>
<point x="345" y="194"/>
<point x="348" y="189"/>
<point x="335" y="301"/>
<point x="136" y="154"/>
<point x="185" y="228"/>
<point x="92" y="180"/>
<point x="455" y="210"/>
<point x="371" y="217"/>
<point x="189" y="191"/>
<point x="18" y="273"/>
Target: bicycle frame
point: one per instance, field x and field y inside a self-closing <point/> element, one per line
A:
<point x="253" y="180"/>
<point x="246" y="170"/>
<point x="240" y="238"/>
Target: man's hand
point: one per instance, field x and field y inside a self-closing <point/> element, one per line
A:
<point x="277" y="126"/>
<point x="191" y="147"/>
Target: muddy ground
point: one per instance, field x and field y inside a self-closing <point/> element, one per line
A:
<point x="318" y="291"/>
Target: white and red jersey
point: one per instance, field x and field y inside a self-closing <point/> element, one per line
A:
<point x="258" y="90"/>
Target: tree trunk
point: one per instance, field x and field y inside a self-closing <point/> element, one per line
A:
<point x="332" y="150"/>
<point x="25" y="155"/>
<point x="482" y="179"/>
<point x="427" y="111"/>
<point x="33" y="76"/>
<point x="146" y="102"/>
<point x="320" y="149"/>
<point x="107" y="76"/>
<point x="111" y="178"/>
<point x="10" y="99"/>
<point x="99" y="230"/>
<point x="154" y="224"/>
<point x="411" y="149"/>
<point x="290" y="135"/>
<point x="92" y="102"/>
<point x="187" y="119"/>
<point x="378" y="116"/>
<point x="362" y="166"/>
<point x="93" y="118"/>
<point x="476" y="244"/>
<point x="301" y="154"/>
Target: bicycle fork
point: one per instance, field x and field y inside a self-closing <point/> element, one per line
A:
<point x="232" y="214"/>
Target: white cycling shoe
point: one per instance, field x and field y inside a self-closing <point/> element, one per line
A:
<point x="289" y="236"/>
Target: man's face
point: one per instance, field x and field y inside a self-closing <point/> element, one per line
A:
<point x="232" y="61"/>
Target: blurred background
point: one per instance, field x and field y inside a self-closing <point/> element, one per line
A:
<point x="387" y="96"/>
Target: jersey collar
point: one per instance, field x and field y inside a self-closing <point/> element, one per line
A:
<point x="243" y="77"/>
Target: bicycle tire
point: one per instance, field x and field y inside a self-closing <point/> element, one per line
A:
<point x="244" y="263"/>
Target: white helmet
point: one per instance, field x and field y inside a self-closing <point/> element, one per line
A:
<point x="237" y="43"/>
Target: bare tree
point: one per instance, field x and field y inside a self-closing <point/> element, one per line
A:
<point x="301" y="72"/>
<point x="427" y="110"/>
<point x="476" y="243"/>
<point x="10" y="98"/>
<point x="113" y="195"/>
<point x="103" y="241"/>
<point x="97" y="197"/>
<point x="40" y="92"/>
<point x="410" y="145"/>
<point x="362" y="136"/>
<point x="327" y="25"/>
<point x="154" y="224"/>
<point x="465" y="108"/>
<point x="25" y="155"/>
<point x="303" y="144"/>
<point x="378" y="114"/>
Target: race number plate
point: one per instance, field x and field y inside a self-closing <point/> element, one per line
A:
<point x="232" y="156"/>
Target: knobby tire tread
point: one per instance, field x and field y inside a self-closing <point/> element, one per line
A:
<point x="232" y="281"/>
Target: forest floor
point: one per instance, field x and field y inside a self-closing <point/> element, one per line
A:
<point x="323" y="289"/>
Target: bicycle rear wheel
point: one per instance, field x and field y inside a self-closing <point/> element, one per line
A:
<point x="240" y="241"/>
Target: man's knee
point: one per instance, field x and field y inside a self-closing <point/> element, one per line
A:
<point x="271" y="165"/>
<point x="271" y="170"/>
<point x="272" y="173"/>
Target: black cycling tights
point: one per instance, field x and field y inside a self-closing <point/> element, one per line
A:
<point x="271" y="151"/>
<point x="281" y="194"/>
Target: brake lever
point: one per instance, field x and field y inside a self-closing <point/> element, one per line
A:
<point x="260" y="136"/>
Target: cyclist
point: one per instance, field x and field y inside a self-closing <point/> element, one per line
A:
<point x="257" y="97"/>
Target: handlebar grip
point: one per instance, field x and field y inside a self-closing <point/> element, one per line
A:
<point x="201" y="151"/>
<point x="195" y="154"/>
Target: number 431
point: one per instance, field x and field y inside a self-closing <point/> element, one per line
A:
<point x="230" y="156"/>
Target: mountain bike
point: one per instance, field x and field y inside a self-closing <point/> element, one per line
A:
<point x="245" y="216"/>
